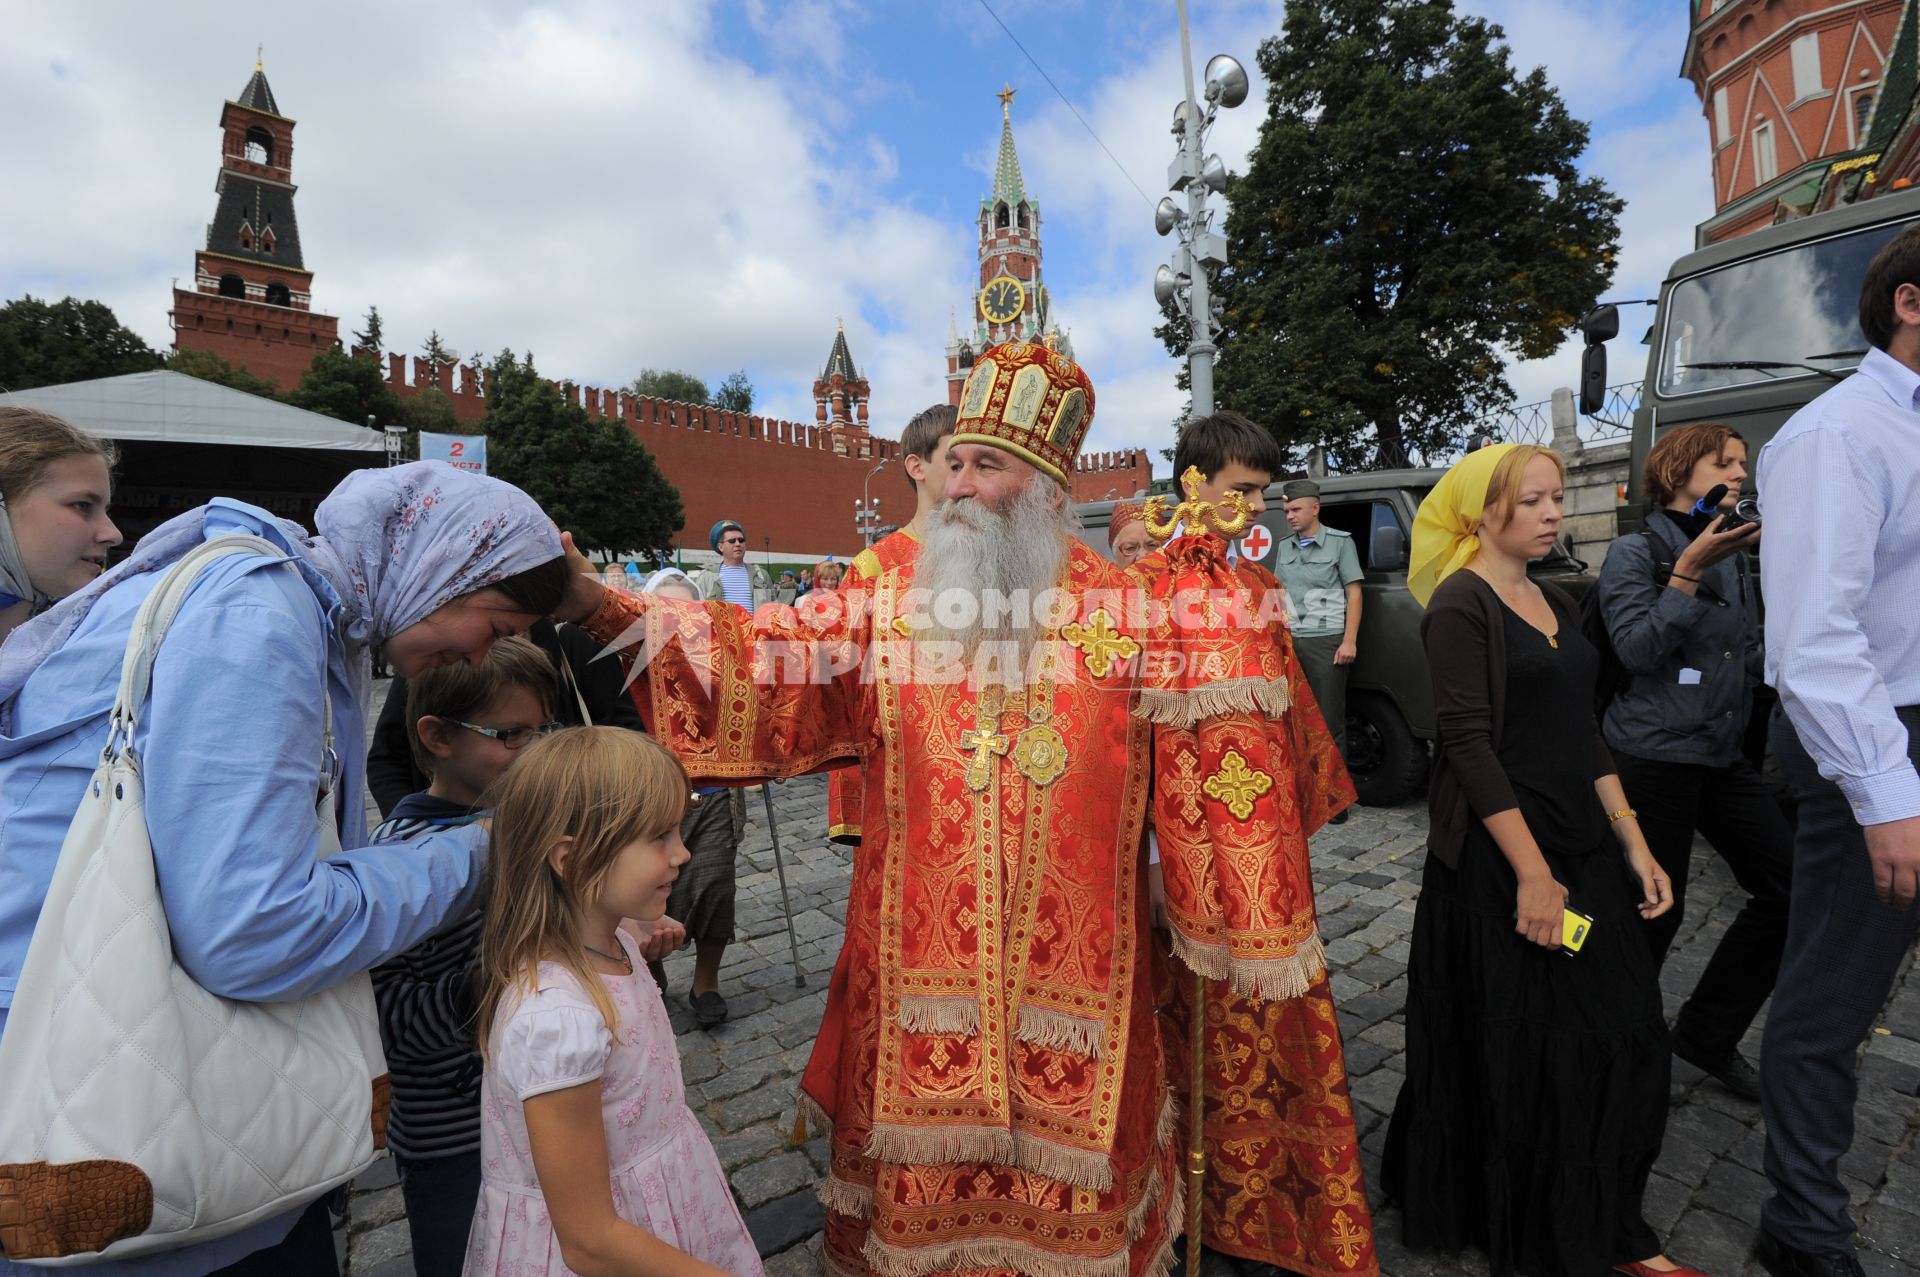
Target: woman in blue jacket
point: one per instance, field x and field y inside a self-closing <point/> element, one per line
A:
<point x="433" y="562"/>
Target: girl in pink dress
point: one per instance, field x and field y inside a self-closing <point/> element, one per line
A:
<point x="591" y="1161"/>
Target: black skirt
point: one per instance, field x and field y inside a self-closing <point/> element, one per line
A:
<point x="1536" y="1091"/>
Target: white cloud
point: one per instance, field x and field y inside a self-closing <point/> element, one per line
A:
<point x="591" y="181"/>
<point x="607" y="185"/>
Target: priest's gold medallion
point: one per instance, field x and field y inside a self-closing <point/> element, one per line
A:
<point x="1040" y="752"/>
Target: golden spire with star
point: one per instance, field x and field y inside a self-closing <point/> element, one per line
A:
<point x="1006" y="98"/>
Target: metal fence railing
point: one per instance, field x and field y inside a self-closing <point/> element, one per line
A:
<point x="1533" y="422"/>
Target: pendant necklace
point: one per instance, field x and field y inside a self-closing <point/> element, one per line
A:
<point x="622" y="957"/>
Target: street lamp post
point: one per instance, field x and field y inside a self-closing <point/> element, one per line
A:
<point x="866" y="511"/>
<point x="1185" y="280"/>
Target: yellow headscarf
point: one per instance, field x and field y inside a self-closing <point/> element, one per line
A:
<point x="1446" y="531"/>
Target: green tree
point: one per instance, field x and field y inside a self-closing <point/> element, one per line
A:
<point x="48" y="343"/>
<point x="351" y="389"/>
<point x="438" y="355"/>
<point x="1410" y="212"/>
<point x="372" y="335"/>
<point x="208" y="366"/>
<point x="735" y="394"/>
<point x="667" y="383"/>
<point x="589" y="473"/>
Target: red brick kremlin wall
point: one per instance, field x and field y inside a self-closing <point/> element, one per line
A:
<point x="782" y="480"/>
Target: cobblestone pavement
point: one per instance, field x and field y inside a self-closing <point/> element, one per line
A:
<point x="1705" y="1197"/>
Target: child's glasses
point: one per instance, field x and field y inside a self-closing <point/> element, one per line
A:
<point x="511" y="737"/>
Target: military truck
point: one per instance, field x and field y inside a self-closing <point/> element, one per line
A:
<point x="1748" y="331"/>
<point x="1390" y="719"/>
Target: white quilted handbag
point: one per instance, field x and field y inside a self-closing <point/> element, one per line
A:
<point x="142" y="1113"/>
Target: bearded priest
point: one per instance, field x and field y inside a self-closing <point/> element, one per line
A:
<point x="988" y="1065"/>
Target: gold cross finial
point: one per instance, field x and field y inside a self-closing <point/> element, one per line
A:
<point x="259" y="57"/>
<point x="1229" y="519"/>
<point x="1006" y="96"/>
<point x="986" y="745"/>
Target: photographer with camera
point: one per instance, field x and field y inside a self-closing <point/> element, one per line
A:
<point x="1681" y="610"/>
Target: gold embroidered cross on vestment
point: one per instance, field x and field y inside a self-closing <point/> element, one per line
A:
<point x="1099" y="642"/>
<point x="1237" y="785"/>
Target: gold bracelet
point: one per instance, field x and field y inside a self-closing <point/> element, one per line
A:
<point x="1615" y="817"/>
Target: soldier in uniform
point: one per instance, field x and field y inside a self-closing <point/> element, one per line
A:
<point x="1319" y="568"/>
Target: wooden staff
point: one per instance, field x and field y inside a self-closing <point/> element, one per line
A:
<point x="1196" y="1123"/>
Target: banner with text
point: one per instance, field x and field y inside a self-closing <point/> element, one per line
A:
<point x="463" y="452"/>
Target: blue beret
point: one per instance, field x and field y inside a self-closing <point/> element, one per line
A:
<point x="725" y="525"/>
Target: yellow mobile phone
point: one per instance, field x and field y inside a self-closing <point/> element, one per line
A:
<point x="1574" y="929"/>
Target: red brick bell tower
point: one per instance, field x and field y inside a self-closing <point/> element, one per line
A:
<point x="251" y="303"/>
<point x="840" y="396"/>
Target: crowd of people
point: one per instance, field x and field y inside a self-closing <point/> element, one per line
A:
<point x="1080" y="950"/>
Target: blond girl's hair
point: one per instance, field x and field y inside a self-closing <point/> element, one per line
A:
<point x="1503" y="485"/>
<point x="32" y="440"/>
<point x="603" y="787"/>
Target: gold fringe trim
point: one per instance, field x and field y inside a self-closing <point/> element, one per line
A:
<point x="1143" y="1209"/>
<point x="938" y="1145"/>
<point x="842" y="1198"/>
<point x="810" y="1111"/>
<point x="923" y="1261"/>
<point x="1186" y="708"/>
<point x="922" y="1014"/>
<point x="1168" y="1124"/>
<point x="1162" y="1264"/>
<point x="1058" y="1031"/>
<point x="1083" y="1168"/>
<point x="1270" y="979"/>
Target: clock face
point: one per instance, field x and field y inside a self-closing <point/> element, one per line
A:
<point x="1002" y="299"/>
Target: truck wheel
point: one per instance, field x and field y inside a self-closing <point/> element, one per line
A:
<point x="1387" y="762"/>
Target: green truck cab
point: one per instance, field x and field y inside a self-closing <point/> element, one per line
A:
<point x="1749" y="331"/>
<point x="1390" y="718"/>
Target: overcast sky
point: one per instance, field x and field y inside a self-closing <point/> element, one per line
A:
<point x="711" y="186"/>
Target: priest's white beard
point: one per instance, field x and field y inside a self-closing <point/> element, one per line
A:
<point x="985" y="570"/>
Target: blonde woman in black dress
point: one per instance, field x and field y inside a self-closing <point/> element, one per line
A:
<point x="1536" y="1088"/>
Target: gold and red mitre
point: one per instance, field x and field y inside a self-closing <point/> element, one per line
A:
<point x="1030" y="400"/>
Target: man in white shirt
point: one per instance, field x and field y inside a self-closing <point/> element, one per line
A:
<point x="733" y="579"/>
<point x="1840" y="487"/>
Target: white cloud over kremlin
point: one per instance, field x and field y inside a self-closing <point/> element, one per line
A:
<point x="615" y="185"/>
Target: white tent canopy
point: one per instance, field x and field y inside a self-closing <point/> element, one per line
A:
<point x="171" y="407"/>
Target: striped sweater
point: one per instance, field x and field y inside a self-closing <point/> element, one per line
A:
<point x="427" y="1011"/>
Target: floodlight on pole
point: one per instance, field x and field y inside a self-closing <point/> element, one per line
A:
<point x="1226" y="81"/>
<point x="1186" y="283"/>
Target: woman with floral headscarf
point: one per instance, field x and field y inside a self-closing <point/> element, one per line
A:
<point x="1536" y="1089"/>
<point x="433" y="562"/>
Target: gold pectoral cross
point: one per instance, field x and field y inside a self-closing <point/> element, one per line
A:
<point x="986" y="745"/>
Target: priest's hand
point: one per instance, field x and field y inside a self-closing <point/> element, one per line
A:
<point x="584" y="588"/>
